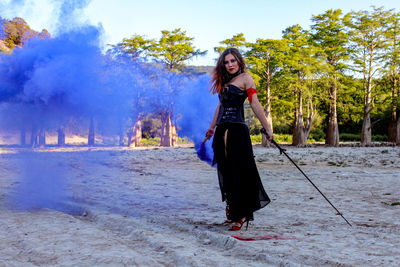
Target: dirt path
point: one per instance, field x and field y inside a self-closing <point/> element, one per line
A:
<point x="162" y="208"/>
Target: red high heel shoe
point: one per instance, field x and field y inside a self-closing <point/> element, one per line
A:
<point x="227" y="221"/>
<point x="238" y="225"/>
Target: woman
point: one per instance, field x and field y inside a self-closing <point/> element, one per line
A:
<point x="238" y="177"/>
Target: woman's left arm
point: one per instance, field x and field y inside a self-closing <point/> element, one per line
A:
<point x="259" y="111"/>
<point x="256" y="106"/>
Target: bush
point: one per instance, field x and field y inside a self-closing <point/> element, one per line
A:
<point x="256" y="138"/>
<point x="282" y="129"/>
<point x="279" y="138"/>
<point x="183" y="140"/>
<point x="379" y="138"/>
<point x="316" y="135"/>
<point x="156" y="141"/>
<point x="283" y="138"/>
<point x="349" y="137"/>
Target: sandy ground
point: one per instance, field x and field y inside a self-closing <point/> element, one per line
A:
<point x="162" y="207"/>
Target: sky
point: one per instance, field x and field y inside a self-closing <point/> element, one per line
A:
<point x="208" y="21"/>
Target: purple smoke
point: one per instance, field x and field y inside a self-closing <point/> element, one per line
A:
<point x="2" y="33"/>
<point x="42" y="183"/>
<point x="50" y="82"/>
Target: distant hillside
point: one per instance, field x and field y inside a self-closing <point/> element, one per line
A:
<point x="15" y="32"/>
<point x="4" y="48"/>
<point x="199" y="70"/>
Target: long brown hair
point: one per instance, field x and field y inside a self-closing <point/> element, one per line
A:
<point x="220" y="74"/>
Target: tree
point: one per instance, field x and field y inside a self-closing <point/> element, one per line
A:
<point x="137" y="47"/>
<point x="392" y="70"/>
<point x="17" y="31"/>
<point x="264" y="59"/>
<point x="175" y="48"/>
<point x="237" y="41"/>
<point x="301" y="65"/>
<point x="329" y="35"/>
<point x="367" y="31"/>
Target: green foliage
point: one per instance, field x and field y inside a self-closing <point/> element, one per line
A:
<point x="317" y="135"/>
<point x="283" y="138"/>
<point x="251" y="120"/>
<point x="349" y="137"/>
<point x="328" y="33"/>
<point x="279" y="138"/>
<point x="155" y="141"/>
<point x="256" y="138"/>
<point x="368" y="44"/>
<point x="135" y="47"/>
<point x="174" y="48"/>
<point x="303" y="62"/>
<point x="334" y="37"/>
<point x="183" y="140"/>
<point x="350" y="104"/>
<point x="264" y="59"/>
<point x="151" y="127"/>
<point x="237" y="41"/>
<point x="17" y="31"/>
<point x="379" y="138"/>
<point x="281" y="128"/>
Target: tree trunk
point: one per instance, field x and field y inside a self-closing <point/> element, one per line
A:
<point x="392" y="130"/>
<point x="61" y="137"/>
<point x="91" y="132"/>
<point x="121" y="137"/>
<point x="332" y="131"/>
<point x="166" y="130"/>
<point x="301" y="132"/>
<point x="121" y="132"/>
<point x="264" y="140"/>
<point x="42" y="137"/>
<point x="299" y="138"/>
<point x="135" y="134"/>
<point x="398" y="131"/>
<point x="174" y="136"/>
<point x="23" y="137"/>
<point x="366" y="134"/>
<point x="268" y="114"/>
<point x="34" y="136"/>
<point x="298" y="131"/>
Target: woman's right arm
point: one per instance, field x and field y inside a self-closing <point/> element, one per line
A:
<point x="210" y="131"/>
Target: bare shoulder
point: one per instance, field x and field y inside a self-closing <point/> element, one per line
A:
<point x="246" y="75"/>
<point x="248" y="81"/>
<point x="244" y="81"/>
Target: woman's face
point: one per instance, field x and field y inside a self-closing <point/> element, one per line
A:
<point x="231" y="64"/>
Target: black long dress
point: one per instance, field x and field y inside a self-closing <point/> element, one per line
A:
<point x="238" y="176"/>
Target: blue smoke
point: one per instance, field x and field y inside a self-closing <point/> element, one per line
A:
<point x="2" y="33"/>
<point x="50" y="82"/>
<point x="197" y="107"/>
<point x="42" y="183"/>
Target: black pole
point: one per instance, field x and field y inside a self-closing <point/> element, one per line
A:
<point x="281" y="150"/>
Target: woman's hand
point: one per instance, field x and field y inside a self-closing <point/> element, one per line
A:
<point x="270" y="136"/>
<point x="268" y="133"/>
<point x="209" y="133"/>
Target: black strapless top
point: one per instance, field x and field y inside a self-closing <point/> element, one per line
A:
<point x="231" y="110"/>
